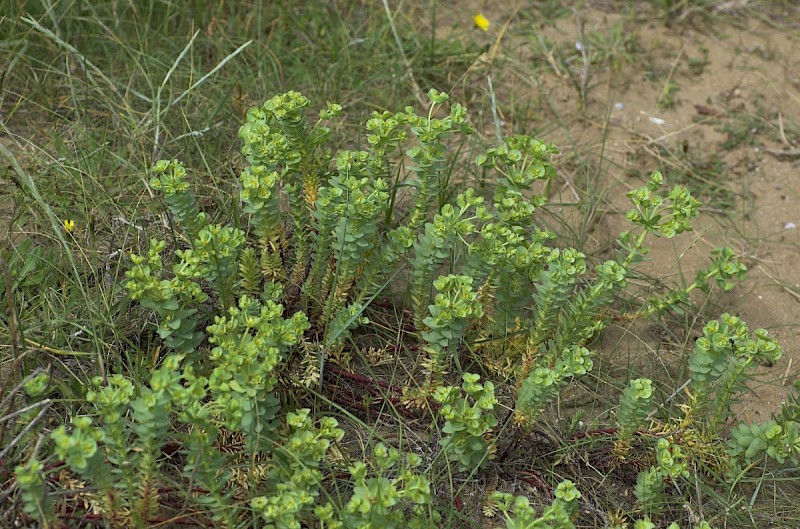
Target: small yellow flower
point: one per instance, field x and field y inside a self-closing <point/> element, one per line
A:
<point x="69" y="225"/>
<point x="482" y="22"/>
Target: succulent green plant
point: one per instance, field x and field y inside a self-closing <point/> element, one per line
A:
<point x="468" y="419"/>
<point x="243" y="302"/>
<point x="520" y="514"/>
<point x="634" y="406"/>
<point x="722" y="357"/>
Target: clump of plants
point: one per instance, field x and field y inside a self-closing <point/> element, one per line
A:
<point x="255" y="312"/>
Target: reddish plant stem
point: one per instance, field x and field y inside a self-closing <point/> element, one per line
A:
<point x="459" y="504"/>
<point x="535" y="480"/>
<point x="363" y="379"/>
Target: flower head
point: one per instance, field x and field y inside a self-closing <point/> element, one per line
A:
<point x="481" y="22"/>
<point x="69" y="225"/>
